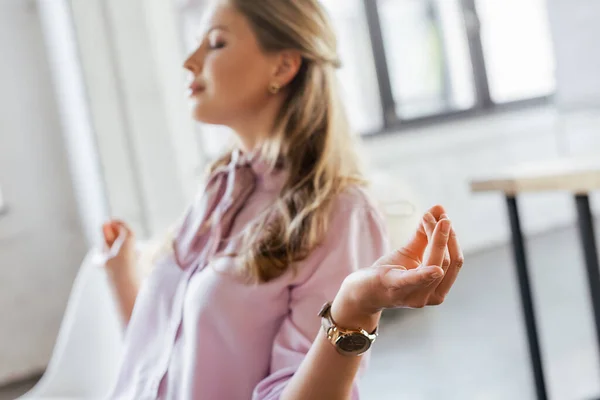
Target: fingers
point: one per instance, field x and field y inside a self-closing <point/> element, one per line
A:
<point x="112" y="230"/>
<point x="122" y="225"/>
<point x="446" y="264"/>
<point x="109" y="234"/>
<point x="415" y="248"/>
<point x="429" y="283"/>
<point x="437" y="211"/>
<point x="456" y="263"/>
<point x="438" y="243"/>
<point x="401" y="278"/>
<point x="417" y="245"/>
<point x="429" y="223"/>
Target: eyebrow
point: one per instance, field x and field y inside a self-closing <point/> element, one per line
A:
<point x="216" y="27"/>
<point x="202" y="36"/>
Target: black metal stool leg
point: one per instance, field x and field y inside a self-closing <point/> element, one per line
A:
<point x="526" y="298"/>
<point x="588" y="239"/>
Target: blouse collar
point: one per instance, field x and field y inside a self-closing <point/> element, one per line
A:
<point x="267" y="177"/>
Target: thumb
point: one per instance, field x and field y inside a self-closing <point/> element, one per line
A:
<point x="119" y="225"/>
<point x="109" y="234"/>
<point x="398" y="278"/>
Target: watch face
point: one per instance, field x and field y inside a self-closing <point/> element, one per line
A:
<point x="354" y="343"/>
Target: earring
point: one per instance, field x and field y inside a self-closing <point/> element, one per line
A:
<point x="274" y="88"/>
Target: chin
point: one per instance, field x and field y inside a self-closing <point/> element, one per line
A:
<point x="202" y="113"/>
<point x="199" y="116"/>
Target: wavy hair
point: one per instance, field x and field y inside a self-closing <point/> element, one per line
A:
<point x="312" y="138"/>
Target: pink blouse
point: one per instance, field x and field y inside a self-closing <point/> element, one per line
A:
<point x="199" y="332"/>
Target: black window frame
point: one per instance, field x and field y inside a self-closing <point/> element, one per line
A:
<point x="484" y="103"/>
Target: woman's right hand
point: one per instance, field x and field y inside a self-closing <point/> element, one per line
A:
<point x="123" y="263"/>
<point x="121" y="267"/>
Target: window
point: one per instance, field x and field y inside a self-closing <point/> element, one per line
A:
<point x="427" y="49"/>
<point x="441" y="57"/>
<point x="517" y="49"/>
<point x="407" y="60"/>
<point x="357" y="76"/>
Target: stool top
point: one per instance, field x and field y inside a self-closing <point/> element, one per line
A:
<point x="575" y="174"/>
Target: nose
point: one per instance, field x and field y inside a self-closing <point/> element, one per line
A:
<point x="194" y="62"/>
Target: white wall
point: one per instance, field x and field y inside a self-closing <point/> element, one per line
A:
<point x="436" y="164"/>
<point x="575" y="33"/>
<point x="41" y="240"/>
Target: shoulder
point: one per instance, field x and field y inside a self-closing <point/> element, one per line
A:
<point x="357" y="201"/>
<point x="356" y="220"/>
<point x="356" y="236"/>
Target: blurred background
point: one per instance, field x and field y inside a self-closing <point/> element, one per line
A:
<point x="94" y="123"/>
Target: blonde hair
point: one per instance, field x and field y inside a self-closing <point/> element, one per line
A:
<point x="312" y="137"/>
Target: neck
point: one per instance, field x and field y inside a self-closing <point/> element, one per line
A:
<point x="257" y="126"/>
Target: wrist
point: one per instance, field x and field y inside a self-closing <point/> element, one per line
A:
<point x="121" y="273"/>
<point x="348" y="314"/>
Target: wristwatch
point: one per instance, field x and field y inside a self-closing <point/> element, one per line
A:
<point x="348" y="342"/>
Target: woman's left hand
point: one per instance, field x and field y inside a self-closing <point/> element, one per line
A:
<point x="418" y="275"/>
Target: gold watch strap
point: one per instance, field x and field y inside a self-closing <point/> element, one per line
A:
<point x="329" y="325"/>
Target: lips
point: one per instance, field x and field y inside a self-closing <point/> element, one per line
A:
<point x="196" y="88"/>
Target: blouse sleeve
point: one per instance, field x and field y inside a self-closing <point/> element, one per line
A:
<point x="356" y="239"/>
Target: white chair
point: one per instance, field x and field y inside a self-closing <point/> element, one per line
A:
<point x="400" y="206"/>
<point x="89" y="344"/>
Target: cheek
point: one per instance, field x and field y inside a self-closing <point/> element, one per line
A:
<point x="236" y="81"/>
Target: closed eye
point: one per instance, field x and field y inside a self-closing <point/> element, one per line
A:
<point x="217" y="46"/>
<point x="216" y="39"/>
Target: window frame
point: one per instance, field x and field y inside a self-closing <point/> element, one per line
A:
<point x="484" y="104"/>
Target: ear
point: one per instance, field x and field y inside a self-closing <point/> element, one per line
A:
<point x="287" y="67"/>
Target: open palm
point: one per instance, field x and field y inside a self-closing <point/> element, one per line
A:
<point x="417" y="275"/>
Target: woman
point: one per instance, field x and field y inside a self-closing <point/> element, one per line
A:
<point x="281" y="227"/>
